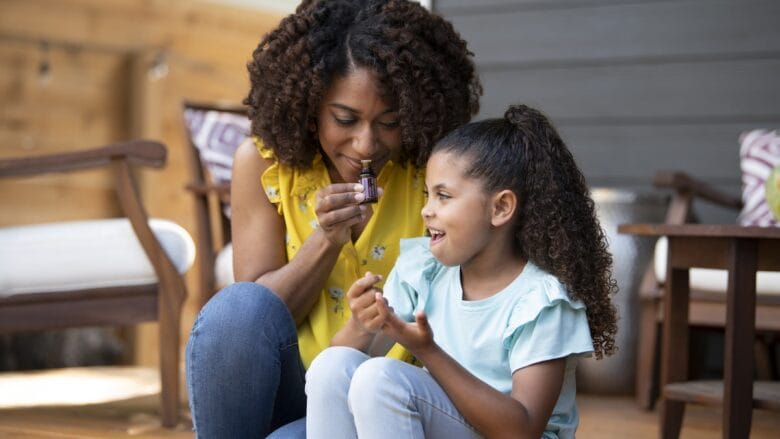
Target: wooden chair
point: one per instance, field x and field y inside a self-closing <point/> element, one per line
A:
<point x="154" y="292"/>
<point x="707" y="307"/>
<point x="214" y="131"/>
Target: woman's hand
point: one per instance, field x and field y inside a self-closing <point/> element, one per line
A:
<point x="338" y="208"/>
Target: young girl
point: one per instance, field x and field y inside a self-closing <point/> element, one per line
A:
<point x="511" y="288"/>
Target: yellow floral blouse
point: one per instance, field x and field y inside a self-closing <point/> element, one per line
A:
<point x="396" y="216"/>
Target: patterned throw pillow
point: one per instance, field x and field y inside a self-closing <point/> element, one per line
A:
<point x="760" y="163"/>
<point x="773" y="192"/>
<point x="217" y="135"/>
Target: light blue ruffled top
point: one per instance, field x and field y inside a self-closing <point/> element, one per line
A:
<point x="531" y="320"/>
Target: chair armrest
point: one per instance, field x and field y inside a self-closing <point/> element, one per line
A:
<point x="682" y="182"/>
<point x="119" y="157"/>
<point x="136" y="152"/>
<point x="204" y="189"/>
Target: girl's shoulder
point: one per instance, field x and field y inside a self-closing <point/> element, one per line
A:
<point x="539" y="291"/>
<point x="416" y="265"/>
<point x="545" y="322"/>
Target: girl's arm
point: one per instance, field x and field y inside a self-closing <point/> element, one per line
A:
<point x="362" y="329"/>
<point x="523" y="414"/>
<point x="258" y="235"/>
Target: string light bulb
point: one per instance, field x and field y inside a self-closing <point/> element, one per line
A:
<point x="158" y="68"/>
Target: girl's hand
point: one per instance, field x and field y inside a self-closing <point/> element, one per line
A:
<point x="416" y="337"/>
<point x="338" y="208"/>
<point x="363" y="303"/>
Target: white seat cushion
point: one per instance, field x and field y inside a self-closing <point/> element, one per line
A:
<point x="707" y="279"/>
<point x="223" y="267"/>
<point x="78" y="255"/>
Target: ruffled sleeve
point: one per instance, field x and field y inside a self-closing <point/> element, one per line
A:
<point x="270" y="177"/>
<point x="546" y="324"/>
<point x="408" y="285"/>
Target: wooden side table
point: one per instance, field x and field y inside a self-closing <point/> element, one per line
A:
<point x="742" y="251"/>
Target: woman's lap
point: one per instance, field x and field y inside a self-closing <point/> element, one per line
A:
<point x="244" y="373"/>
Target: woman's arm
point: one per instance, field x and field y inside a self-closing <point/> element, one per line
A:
<point x="523" y="414"/>
<point x="259" y="236"/>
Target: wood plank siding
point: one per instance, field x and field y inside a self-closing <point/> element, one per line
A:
<point x="633" y="86"/>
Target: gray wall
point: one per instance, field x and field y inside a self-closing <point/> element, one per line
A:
<point x="633" y="86"/>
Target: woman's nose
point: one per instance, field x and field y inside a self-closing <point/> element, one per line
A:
<point x="365" y="142"/>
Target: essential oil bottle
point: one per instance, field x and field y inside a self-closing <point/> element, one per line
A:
<point x="368" y="180"/>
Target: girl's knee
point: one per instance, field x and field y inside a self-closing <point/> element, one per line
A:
<point x="376" y="380"/>
<point x="332" y="370"/>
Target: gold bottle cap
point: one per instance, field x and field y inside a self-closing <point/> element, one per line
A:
<point x="366" y="163"/>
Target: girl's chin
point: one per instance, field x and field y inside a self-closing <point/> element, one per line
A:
<point x="438" y="252"/>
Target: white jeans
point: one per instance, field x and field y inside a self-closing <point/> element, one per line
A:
<point x="352" y="395"/>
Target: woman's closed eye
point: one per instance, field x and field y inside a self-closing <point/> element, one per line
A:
<point x="344" y="121"/>
<point x="390" y="123"/>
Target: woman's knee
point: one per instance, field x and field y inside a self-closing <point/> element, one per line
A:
<point x="245" y="311"/>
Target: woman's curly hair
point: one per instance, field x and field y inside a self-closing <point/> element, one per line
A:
<point x="420" y="62"/>
<point x="557" y="228"/>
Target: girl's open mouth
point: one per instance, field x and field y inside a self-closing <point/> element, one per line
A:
<point x="436" y="235"/>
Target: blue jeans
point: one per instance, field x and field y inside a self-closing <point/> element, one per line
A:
<point x="351" y="395"/>
<point x="245" y="377"/>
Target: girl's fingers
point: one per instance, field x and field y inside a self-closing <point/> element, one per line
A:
<point x="390" y="320"/>
<point x="375" y="324"/>
<point x="361" y="285"/>
<point x="422" y="321"/>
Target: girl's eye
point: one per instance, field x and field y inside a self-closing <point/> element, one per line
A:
<point x="391" y="124"/>
<point x="442" y="196"/>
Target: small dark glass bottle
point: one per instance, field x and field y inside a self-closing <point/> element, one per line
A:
<point x="368" y="180"/>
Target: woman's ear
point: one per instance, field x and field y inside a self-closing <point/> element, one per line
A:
<point x="503" y="208"/>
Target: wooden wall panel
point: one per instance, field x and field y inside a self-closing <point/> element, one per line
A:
<point x="708" y="150"/>
<point x="100" y="91"/>
<point x="635" y="86"/>
<point x="665" y="92"/>
<point x="609" y="33"/>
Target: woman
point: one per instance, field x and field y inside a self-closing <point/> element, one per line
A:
<point x="336" y="83"/>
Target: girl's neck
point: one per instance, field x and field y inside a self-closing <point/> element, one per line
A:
<point x="491" y="271"/>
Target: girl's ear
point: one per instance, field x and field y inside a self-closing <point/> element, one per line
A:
<point x="503" y="207"/>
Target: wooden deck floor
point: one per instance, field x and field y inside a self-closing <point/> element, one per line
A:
<point x="600" y="417"/>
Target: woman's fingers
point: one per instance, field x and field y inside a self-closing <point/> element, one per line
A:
<point x="343" y="217"/>
<point x="335" y="196"/>
<point x="338" y="208"/>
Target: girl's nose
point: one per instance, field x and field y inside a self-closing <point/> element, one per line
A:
<point x="426" y="211"/>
